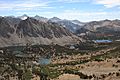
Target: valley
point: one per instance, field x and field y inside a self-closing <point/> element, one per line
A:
<point x="37" y="48"/>
<point x="102" y="63"/>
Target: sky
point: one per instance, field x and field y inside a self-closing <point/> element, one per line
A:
<point x="82" y="10"/>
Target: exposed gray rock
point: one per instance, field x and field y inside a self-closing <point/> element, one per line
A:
<point x="20" y="32"/>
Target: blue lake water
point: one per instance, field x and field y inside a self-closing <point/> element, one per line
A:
<point x="44" y="61"/>
<point x="102" y="41"/>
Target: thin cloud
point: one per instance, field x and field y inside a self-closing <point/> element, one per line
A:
<point x="23" y="5"/>
<point x="73" y="1"/>
<point x="108" y="3"/>
<point x="67" y="9"/>
<point x="80" y="15"/>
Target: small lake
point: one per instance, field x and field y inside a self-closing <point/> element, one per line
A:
<point x="102" y="41"/>
<point x="44" y="61"/>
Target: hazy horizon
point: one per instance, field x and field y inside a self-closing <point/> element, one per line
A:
<point x="57" y="17"/>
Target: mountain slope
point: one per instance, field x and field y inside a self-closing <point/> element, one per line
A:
<point x="105" y="29"/>
<point x="35" y="32"/>
<point x="72" y="25"/>
<point x="113" y="24"/>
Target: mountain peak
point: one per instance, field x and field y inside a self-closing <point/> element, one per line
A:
<point x="43" y="19"/>
<point x="36" y="16"/>
<point x="55" y="19"/>
<point x="23" y="17"/>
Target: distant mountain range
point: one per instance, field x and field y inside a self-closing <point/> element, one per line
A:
<point x="21" y="30"/>
<point x="72" y="25"/>
<point x="40" y="30"/>
<point x="95" y="25"/>
<point x="104" y="25"/>
<point x="103" y="28"/>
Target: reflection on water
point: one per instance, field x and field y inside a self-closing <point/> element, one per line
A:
<point x="44" y="61"/>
